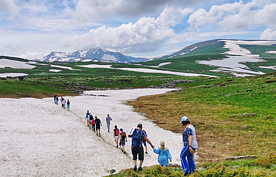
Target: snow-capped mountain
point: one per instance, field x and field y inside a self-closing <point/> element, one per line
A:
<point x="90" y="55"/>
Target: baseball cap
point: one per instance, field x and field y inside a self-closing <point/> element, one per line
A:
<point x="184" y="118"/>
<point x="121" y="129"/>
<point x="162" y="143"/>
<point x="139" y="125"/>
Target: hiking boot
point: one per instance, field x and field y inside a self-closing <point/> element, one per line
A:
<point x="140" y="169"/>
<point x="187" y="174"/>
<point x="135" y="168"/>
<point x="146" y="152"/>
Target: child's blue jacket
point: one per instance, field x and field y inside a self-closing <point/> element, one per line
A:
<point x="163" y="156"/>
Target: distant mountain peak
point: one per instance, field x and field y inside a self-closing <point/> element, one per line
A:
<point x="95" y="54"/>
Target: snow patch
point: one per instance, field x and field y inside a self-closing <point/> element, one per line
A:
<point x="55" y="70"/>
<point x="64" y="67"/>
<point x="83" y="53"/>
<point x="235" y="49"/>
<point x="6" y="63"/>
<point x="63" y="146"/>
<point x="12" y="74"/>
<point x="163" y="64"/>
<point x="268" y="67"/>
<point x="233" y="64"/>
<point x="109" y="57"/>
<point x="193" y="48"/>
<point x="87" y="60"/>
<point x="95" y="66"/>
<point x="144" y="70"/>
<point x="274" y="52"/>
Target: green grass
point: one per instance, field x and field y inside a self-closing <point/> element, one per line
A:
<point x="265" y="166"/>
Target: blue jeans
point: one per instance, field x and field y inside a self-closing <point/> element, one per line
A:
<point x="184" y="156"/>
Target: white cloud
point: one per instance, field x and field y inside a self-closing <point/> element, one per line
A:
<point x="109" y="9"/>
<point x="9" y="6"/>
<point x="146" y="35"/>
<point x="236" y="16"/>
<point x="216" y="13"/>
<point x="268" y="34"/>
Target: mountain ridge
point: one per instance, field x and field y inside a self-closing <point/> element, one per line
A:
<point x="90" y="55"/>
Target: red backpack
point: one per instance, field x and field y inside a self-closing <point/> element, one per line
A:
<point x="117" y="132"/>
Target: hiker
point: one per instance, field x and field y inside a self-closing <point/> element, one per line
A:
<point x="61" y="99"/>
<point x="56" y="100"/>
<point x="108" y="119"/>
<point x="137" y="147"/>
<point x="55" y="97"/>
<point x="123" y="140"/>
<point x="68" y="104"/>
<point x="98" y="125"/>
<point x="164" y="154"/>
<point x="90" y="120"/>
<point x="63" y="103"/>
<point x="145" y="144"/>
<point x="116" y="135"/>
<point x="87" y="116"/>
<point x="190" y="145"/>
<point x="93" y="124"/>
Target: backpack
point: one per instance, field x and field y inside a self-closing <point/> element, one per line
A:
<point x="116" y="132"/>
<point x="91" y="117"/>
<point x="123" y="135"/>
<point x="136" y="138"/>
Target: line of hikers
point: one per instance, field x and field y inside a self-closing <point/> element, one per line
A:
<point x="139" y="137"/>
<point x="62" y="102"/>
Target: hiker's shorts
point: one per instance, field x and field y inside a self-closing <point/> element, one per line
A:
<point x="137" y="151"/>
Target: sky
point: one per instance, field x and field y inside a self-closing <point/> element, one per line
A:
<point x="141" y="28"/>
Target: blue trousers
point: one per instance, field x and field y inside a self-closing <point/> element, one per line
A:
<point x="185" y="156"/>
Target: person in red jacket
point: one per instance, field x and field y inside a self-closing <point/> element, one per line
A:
<point x="116" y="135"/>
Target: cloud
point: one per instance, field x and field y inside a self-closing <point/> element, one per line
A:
<point x="201" y="17"/>
<point x="9" y="6"/>
<point x="146" y="35"/>
<point x="108" y="9"/>
<point x="268" y="34"/>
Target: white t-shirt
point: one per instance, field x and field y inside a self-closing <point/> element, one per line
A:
<point x="194" y="144"/>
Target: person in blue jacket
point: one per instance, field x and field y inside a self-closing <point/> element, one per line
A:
<point x="164" y="154"/>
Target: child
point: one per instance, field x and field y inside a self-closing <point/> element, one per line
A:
<point x="123" y="140"/>
<point x="164" y="154"/>
<point x="68" y="104"/>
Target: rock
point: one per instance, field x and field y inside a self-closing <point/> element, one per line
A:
<point x="228" y="95"/>
<point x="241" y="157"/>
<point x="112" y="171"/>
<point x="248" y="114"/>
<point x="174" y="165"/>
<point x="245" y="126"/>
<point x="269" y="117"/>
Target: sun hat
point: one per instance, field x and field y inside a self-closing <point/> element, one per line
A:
<point x="162" y="143"/>
<point x="184" y="118"/>
<point x="121" y="129"/>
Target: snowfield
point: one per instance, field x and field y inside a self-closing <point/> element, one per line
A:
<point x="6" y="63"/>
<point x="233" y="65"/>
<point x="144" y="70"/>
<point x="39" y="138"/>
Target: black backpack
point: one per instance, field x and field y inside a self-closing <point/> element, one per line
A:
<point x="91" y="117"/>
